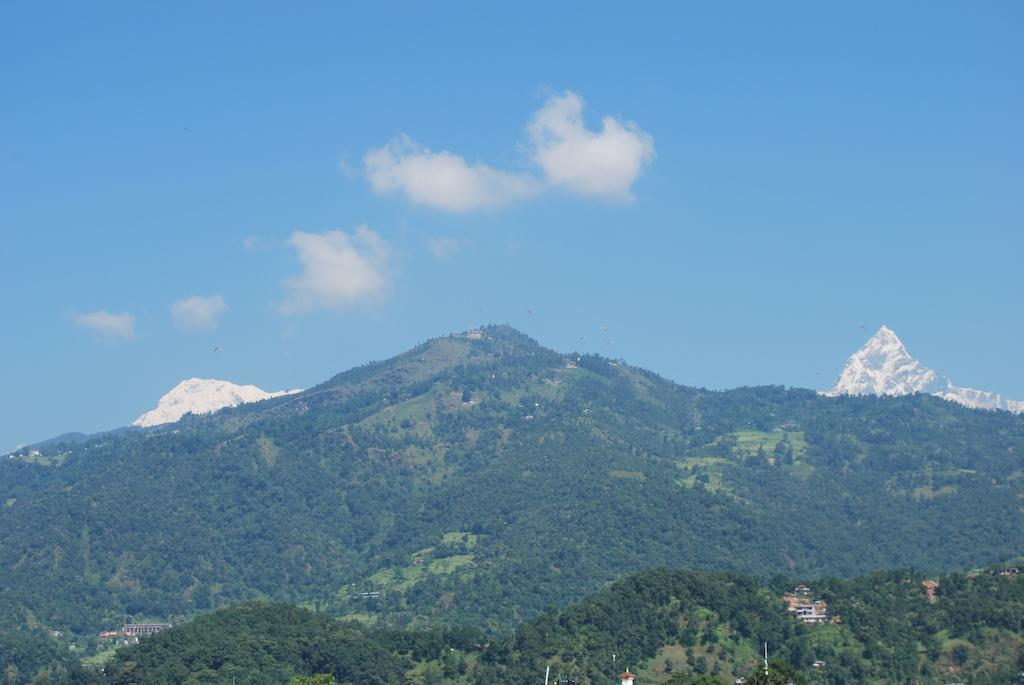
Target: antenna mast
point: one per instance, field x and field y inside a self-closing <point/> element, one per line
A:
<point x="547" y="673"/>
<point x="766" y="658"/>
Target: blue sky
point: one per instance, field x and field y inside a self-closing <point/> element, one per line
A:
<point x="732" y="189"/>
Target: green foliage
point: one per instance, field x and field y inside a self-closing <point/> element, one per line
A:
<point x="779" y="673"/>
<point x="549" y="482"/>
<point x="890" y="632"/>
<point x="258" y="643"/>
<point x="24" y="655"/>
<point x="318" y="679"/>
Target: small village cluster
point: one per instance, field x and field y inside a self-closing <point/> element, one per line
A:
<point x="801" y="602"/>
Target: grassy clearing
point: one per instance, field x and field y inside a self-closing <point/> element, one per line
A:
<point x="744" y="444"/>
<point x="361" y="616"/>
<point x="99" y="658"/>
<point x="688" y="462"/>
<point x="404" y="577"/>
<point x="628" y="475"/>
<point x="706" y="470"/>
<point x="748" y="443"/>
<point x="401" y="578"/>
<point x="447" y="565"/>
<point x="422" y="564"/>
<point x="459" y="537"/>
<point x="546" y="390"/>
<point x="930" y="492"/>
<point x="416" y="409"/>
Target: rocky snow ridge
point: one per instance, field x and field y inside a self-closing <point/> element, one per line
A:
<point x="884" y="367"/>
<point x="203" y="396"/>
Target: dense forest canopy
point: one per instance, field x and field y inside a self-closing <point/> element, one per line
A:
<point x="668" y="627"/>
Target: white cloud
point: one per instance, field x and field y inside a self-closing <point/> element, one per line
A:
<point x="604" y="163"/>
<point x="346" y="167"/>
<point x="198" y="312"/>
<point x="254" y="242"/>
<point x="442" y="246"/>
<point x="338" y="269"/>
<point x="120" y="325"/>
<point x="441" y="179"/>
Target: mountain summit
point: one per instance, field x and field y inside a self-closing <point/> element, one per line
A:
<point x="202" y="396"/>
<point x="884" y="367"/>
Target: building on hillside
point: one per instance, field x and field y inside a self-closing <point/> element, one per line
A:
<point x="626" y="677"/>
<point x="812" y="612"/>
<point x="806" y="608"/>
<point x="142" y="629"/>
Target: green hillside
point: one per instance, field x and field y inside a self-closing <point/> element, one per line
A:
<point x="669" y="627"/>
<point x="480" y="481"/>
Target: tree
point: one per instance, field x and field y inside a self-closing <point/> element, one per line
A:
<point x="432" y="674"/>
<point x="779" y="673"/>
<point x="318" y="679"/>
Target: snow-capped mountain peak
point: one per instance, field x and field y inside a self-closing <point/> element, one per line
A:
<point x="202" y="396"/>
<point x="882" y="366"/>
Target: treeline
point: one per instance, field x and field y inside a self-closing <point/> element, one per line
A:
<point x="672" y="627"/>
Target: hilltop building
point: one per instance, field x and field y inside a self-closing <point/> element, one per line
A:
<point x="809" y="610"/>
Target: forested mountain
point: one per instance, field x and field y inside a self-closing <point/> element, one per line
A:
<point x="480" y="478"/>
<point x="670" y="627"/>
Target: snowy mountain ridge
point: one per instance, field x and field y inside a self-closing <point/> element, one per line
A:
<point x="884" y="367"/>
<point x="203" y="396"/>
